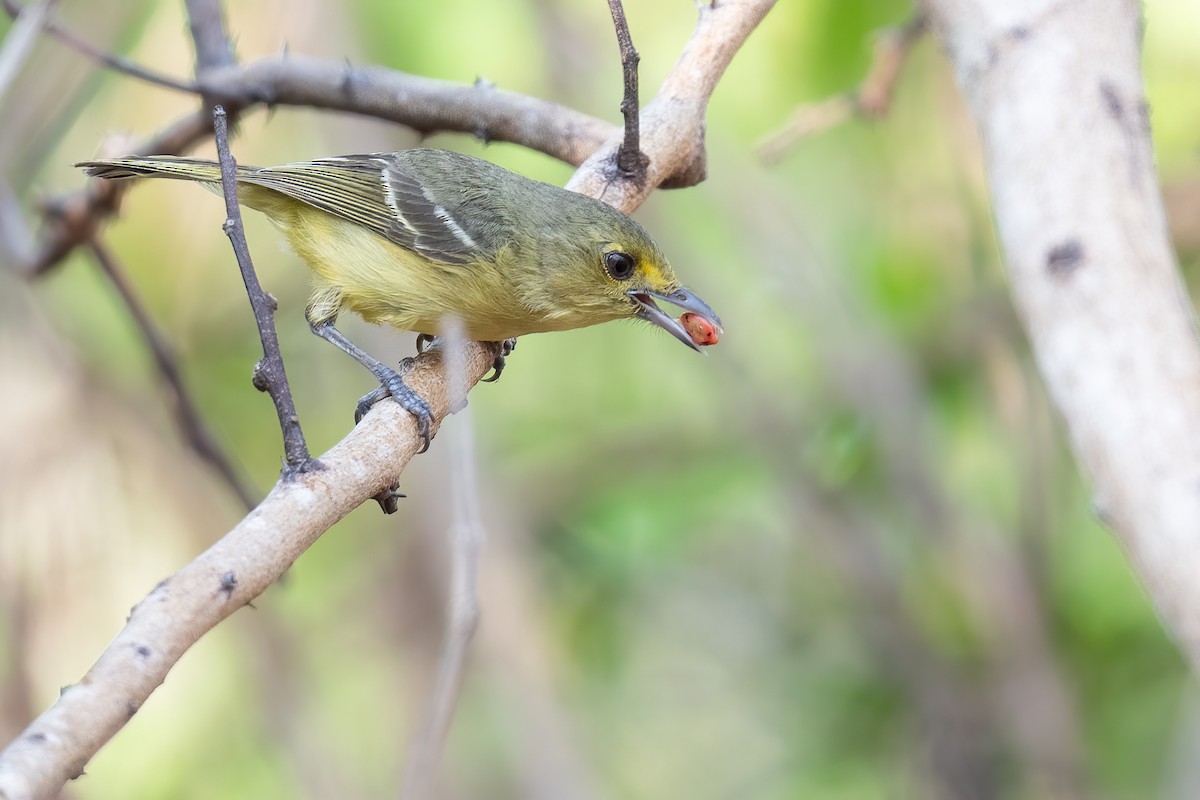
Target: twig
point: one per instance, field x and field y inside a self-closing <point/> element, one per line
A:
<point x="807" y="120"/>
<point x="269" y="374"/>
<point x="57" y="745"/>
<point x="631" y="162"/>
<point x="114" y="62"/>
<point x="187" y="417"/>
<point x="16" y="240"/>
<point x="870" y="99"/>
<point x="207" y="26"/>
<point x="466" y="539"/>
<point x="672" y="126"/>
<point x="18" y="44"/>
<point x="71" y="219"/>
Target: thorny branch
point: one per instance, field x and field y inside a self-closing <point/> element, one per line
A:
<point x="114" y="62"/>
<point x="20" y="40"/>
<point x="630" y="161"/>
<point x="71" y="219"/>
<point x="206" y="23"/>
<point x="870" y="99"/>
<point x="269" y="374"/>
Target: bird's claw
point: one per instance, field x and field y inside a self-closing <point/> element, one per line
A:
<point x="393" y="385"/>
<point x="367" y="401"/>
<point x="423" y="342"/>
<point x="506" y="348"/>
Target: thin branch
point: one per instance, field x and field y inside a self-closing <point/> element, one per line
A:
<point x="808" y="119"/>
<point x="673" y="122"/>
<point x="206" y="23"/>
<point x="241" y="565"/>
<point x="871" y="99"/>
<point x="269" y="373"/>
<point x="187" y="416"/>
<point x="16" y="240"/>
<point x="89" y="50"/>
<point x="19" y="42"/>
<point x="466" y="541"/>
<point x="71" y="219"/>
<point x="630" y="160"/>
<point x="426" y="105"/>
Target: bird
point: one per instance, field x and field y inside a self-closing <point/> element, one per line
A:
<point x="408" y="238"/>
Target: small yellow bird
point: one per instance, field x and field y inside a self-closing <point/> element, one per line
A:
<point x="408" y="238"/>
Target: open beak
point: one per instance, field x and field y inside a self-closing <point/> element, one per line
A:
<point x="648" y="310"/>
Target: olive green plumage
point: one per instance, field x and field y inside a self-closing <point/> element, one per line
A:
<point x="406" y="238"/>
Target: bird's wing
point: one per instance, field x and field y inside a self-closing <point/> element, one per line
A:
<point x="381" y="195"/>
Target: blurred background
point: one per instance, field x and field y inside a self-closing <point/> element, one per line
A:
<point x="847" y="555"/>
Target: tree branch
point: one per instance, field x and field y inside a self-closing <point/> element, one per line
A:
<point x="269" y="374"/>
<point x="240" y="566"/>
<point x="18" y="44"/>
<point x="630" y="160"/>
<point x="113" y="62"/>
<point x="206" y="23"/>
<point x="16" y="240"/>
<point x="872" y="98"/>
<point x="427" y="105"/>
<point x="673" y="123"/>
<point x="71" y="219"/>
<point x="1058" y="99"/>
<point x="187" y="416"/>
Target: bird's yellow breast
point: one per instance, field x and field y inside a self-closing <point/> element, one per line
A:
<point x="388" y="284"/>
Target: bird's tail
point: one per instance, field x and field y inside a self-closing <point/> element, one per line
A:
<point x="176" y="167"/>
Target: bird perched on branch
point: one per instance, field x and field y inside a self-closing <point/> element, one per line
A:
<point x="408" y="238"/>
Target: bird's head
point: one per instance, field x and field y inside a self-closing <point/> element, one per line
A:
<point x="619" y="272"/>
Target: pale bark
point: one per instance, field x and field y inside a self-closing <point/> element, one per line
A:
<point x="1056" y="91"/>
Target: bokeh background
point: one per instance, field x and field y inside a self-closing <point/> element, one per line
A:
<point x="847" y="555"/>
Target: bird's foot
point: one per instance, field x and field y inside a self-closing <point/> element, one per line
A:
<point x="506" y="348"/>
<point x="423" y="342"/>
<point x="392" y="385"/>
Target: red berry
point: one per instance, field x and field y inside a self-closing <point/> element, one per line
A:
<point x="701" y="329"/>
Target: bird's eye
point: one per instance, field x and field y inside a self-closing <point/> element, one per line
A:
<point x="619" y="265"/>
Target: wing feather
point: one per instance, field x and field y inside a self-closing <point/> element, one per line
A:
<point x="379" y="194"/>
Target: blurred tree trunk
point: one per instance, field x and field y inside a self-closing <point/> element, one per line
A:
<point x="1056" y="92"/>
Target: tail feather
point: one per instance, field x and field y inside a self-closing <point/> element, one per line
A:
<point x="176" y="167"/>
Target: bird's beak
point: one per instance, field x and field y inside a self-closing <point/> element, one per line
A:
<point x="648" y="310"/>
